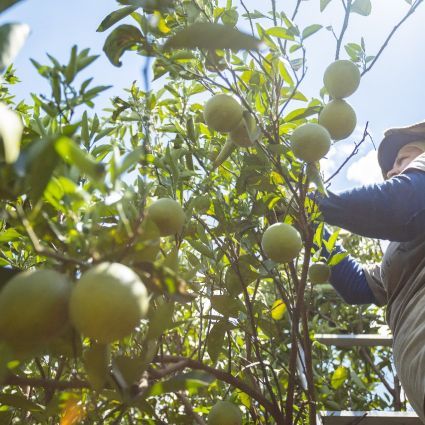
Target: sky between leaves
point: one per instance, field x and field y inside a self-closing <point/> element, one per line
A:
<point x="390" y="95"/>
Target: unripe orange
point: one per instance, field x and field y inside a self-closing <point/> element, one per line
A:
<point x="225" y="413"/>
<point x="281" y="242"/>
<point x="222" y="113"/>
<point x="341" y="78"/>
<point x="108" y="302"/>
<point x="319" y="273"/>
<point x="168" y="215"/>
<point x="339" y="118"/>
<point x="33" y="308"/>
<point x="310" y="142"/>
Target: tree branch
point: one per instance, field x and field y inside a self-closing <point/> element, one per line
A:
<point x="48" y="384"/>
<point x="390" y="35"/>
<point x="230" y="379"/>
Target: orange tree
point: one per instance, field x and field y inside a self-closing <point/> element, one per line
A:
<point x="180" y="307"/>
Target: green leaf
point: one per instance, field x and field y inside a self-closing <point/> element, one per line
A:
<point x="362" y="7"/>
<point x="131" y="159"/>
<point x="12" y="38"/>
<point x="354" y="51"/>
<point x="114" y="17"/>
<point x="85" y="137"/>
<point x="186" y="381"/>
<point x="206" y="35"/>
<point x="11" y="129"/>
<point x="42" y="162"/>
<point x="20" y="402"/>
<point x="123" y="38"/>
<point x="160" y="319"/>
<point x="337" y="258"/>
<point x="202" y="248"/>
<point x="149" y="6"/>
<point x="280" y="32"/>
<point x="71" y="69"/>
<point x="130" y="368"/>
<point x="356" y="379"/>
<point x="5" y="4"/>
<point x="300" y="113"/>
<point x="72" y="154"/>
<point x="9" y="235"/>
<point x="96" y="364"/>
<point x="227" y="305"/>
<point x="224" y="153"/>
<point x="215" y="339"/>
<point x="229" y="17"/>
<point x="310" y="30"/>
<point x="323" y="4"/>
<point x="314" y="176"/>
<point x="330" y="243"/>
<point x="239" y="276"/>
<point x="339" y="377"/>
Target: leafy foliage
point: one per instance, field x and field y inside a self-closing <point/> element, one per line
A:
<point x="225" y="322"/>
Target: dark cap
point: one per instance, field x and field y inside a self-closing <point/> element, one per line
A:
<point x="394" y="139"/>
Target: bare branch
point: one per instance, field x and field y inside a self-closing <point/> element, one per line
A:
<point x="353" y="153"/>
<point x="230" y="379"/>
<point x="390" y="35"/>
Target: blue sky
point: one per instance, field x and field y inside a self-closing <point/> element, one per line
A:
<point x="390" y="95"/>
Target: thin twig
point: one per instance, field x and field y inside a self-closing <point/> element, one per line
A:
<point x="393" y="31"/>
<point x="230" y="379"/>
<point x="343" y="29"/>
<point x="50" y="384"/>
<point x="353" y="153"/>
<point x="189" y="409"/>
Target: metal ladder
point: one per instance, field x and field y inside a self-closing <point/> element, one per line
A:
<point x="347" y="417"/>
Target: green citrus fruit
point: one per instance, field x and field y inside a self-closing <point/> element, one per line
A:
<point x="33" y="308"/>
<point x="225" y="413"/>
<point x="108" y="302"/>
<point x="222" y="113"/>
<point x="341" y="78"/>
<point x="310" y="142"/>
<point x="339" y="118"/>
<point x="281" y="242"/>
<point x="319" y="273"/>
<point x="241" y="134"/>
<point x="168" y="215"/>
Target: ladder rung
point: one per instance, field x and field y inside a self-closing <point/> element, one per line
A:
<point x="349" y="340"/>
<point x="347" y="417"/>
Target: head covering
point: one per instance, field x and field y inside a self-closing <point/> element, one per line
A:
<point x="420" y="144"/>
<point x="396" y="138"/>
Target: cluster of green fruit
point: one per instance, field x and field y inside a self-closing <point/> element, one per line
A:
<point x="310" y="142"/>
<point x="337" y="120"/>
<point x="224" y="114"/>
<point x="106" y="303"/>
<point x="341" y="79"/>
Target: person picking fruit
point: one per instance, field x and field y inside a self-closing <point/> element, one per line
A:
<point x="393" y="210"/>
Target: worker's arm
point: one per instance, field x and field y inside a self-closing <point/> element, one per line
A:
<point x="392" y="210"/>
<point x="350" y="279"/>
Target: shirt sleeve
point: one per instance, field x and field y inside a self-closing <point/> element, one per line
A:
<point x="393" y="210"/>
<point x="350" y="279"/>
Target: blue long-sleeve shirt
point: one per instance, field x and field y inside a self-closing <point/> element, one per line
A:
<point x="392" y="210"/>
